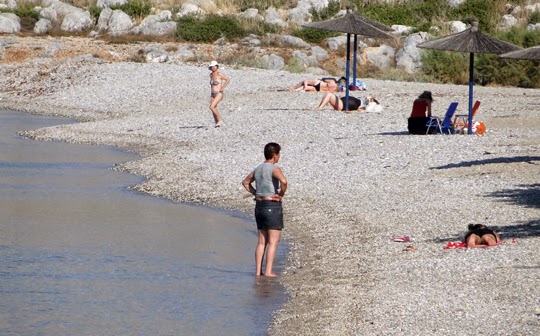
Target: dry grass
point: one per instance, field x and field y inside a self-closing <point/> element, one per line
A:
<point x="17" y="54"/>
<point x="81" y="3"/>
<point x="129" y="39"/>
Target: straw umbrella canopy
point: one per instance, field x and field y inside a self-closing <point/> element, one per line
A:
<point x="471" y="41"/>
<point x="532" y="53"/>
<point x="352" y="23"/>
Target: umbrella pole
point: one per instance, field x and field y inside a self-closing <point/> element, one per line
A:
<point x="347" y="71"/>
<point x="471" y="79"/>
<point x="354" y="61"/>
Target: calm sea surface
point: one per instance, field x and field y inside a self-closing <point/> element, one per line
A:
<point x="81" y="254"/>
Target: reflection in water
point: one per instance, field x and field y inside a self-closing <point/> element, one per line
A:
<point x="82" y="255"/>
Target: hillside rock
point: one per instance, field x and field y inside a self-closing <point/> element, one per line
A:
<point x="408" y="58"/>
<point x="77" y="21"/>
<point x="119" y="23"/>
<point x="381" y="57"/>
<point x="9" y="23"/>
<point x="109" y="3"/>
<point x="42" y="26"/>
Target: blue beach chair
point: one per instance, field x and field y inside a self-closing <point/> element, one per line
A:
<point x="443" y="125"/>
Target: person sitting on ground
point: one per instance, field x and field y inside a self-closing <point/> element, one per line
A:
<point x="479" y="235"/>
<point x="420" y="114"/>
<point x="422" y="105"/>
<point x="338" y="104"/>
<point x="327" y="84"/>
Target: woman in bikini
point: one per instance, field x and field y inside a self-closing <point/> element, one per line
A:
<point x="480" y="235"/>
<point x="327" y="84"/>
<point x="338" y="104"/>
<point x="218" y="82"/>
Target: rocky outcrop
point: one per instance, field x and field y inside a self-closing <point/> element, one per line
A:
<point x="9" y="23"/>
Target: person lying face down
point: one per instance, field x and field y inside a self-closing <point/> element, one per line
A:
<point x="327" y="84"/>
<point x="355" y="104"/>
<point x="479" y="235"/>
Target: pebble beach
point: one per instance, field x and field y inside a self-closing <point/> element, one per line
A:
<point x="355" y="180"/>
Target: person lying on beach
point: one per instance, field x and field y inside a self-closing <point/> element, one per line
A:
<point x="338" y="104"/>
<point x="479" y="235"/>
<point x="327" y="84"/>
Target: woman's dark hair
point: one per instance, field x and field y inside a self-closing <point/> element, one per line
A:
<point x="271" y="149"/>
<point x="473" y="227"/>
<point x="426" y="95"/>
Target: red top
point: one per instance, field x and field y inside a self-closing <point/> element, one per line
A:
<point x="419" y="108"/>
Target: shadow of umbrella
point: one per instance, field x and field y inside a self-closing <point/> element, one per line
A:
<point x="352" y="23"/>
<point x="471" y="41"/>
<point x="532" y="53"/>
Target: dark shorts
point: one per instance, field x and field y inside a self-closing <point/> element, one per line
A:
<point x="269" y="215"/>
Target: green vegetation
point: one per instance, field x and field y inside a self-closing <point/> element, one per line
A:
<point x="135" y="8"/>
<point x="418" y="14"/>
<point x="534" y="18"/>
<point x="208" y="29"/>
<point x="95" y="11"/>
<point x="260" y="4"/>
<point x="26" y="13"/>
<point x="312" y="35"/>
<point x="326" y="13"/>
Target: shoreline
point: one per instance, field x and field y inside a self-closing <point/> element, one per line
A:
<point x="356" y="179"/>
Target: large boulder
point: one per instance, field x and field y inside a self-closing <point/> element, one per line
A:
<point x="294" y="41"/>
<point x="381" y="57"/>
<point x="153" y="25"/>
<point x="188" y="8"/>
<point x="334" y="43"/>
<point x="456" y="26"/>
<point x="42" y="26"/>
<point x="110" y="3"/>
<point x="532" y="27"/>
<point x="408" y="58"/>
<point x="10" y="4"/>
<point x="455" y="3"/>
<point x="157" y="56"/>
<point x="183" y="54"/>
<point x="402" y="30"/>
<point x="319" y="53"/>
<point x="77" y="21"/>
<point x="119" y="23"/>
<point x="9" y="23"/>
<point x="308" y="61"/>
<point x="299" y="15"/>
<point x="104" y="18"/>
<point x="273" y="62"/>
<point x="272" y="16"/>
<point x="251" y="14"/>
<point x="508" y="21"/>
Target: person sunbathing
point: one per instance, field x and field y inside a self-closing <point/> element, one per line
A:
<point x="479" y="235"/>
<point x="355" y="104"/>
<point x="327" y="84"/>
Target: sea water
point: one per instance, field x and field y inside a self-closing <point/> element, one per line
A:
<point x="82" y="254"/>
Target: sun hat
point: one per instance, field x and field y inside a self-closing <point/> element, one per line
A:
<point x="213" y="63"/>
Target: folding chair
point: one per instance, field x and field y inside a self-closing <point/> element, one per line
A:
<point x="462" y="120"/>
<point x="445" y="124"/>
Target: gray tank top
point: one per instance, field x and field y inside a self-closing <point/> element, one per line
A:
<point x="266" y="184"/>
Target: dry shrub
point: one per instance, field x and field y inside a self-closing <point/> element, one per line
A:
<point x="81" y="3"/>
<point x="128" y="39"/>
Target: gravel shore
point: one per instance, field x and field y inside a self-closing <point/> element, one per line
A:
<point x="355" y="180"/>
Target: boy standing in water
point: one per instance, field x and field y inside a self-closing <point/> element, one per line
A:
<point x="270" y="187"/>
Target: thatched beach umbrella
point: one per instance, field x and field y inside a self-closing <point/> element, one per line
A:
<point x="532" y="53"/>
<point x="352" y="23"/>
<point x="471" y="41"/>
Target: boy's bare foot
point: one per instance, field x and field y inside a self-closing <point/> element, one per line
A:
<point x="273" y="275"/>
